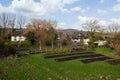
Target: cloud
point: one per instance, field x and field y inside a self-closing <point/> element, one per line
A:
<point x="116" y="7"/>
<point x="102" y="12"/>
<point x="73" y="10"/>
<point x="116" y="20"/>
<point x="77" y="9"/>
<point x="61" y="25"/>
<point x="69" y="1"/>
<point x="102" y="1"/>
<point x="33" y="8"/>
<point x="118" y="0"/>
<point x="83" y="19"/>
<point x="64" y="10"/>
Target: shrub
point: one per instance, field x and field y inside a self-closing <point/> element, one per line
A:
<point x="63" y="50"/>
<point x="117" y="49"/>
<point x="6" y="51"/>
<point x="11" y="43"/>
<point x="22" y="53"/>
<point x="92" y="40"/>
<point x="26" y="43"/>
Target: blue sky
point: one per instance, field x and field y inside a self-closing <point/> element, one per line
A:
<point x="68" y="13"/>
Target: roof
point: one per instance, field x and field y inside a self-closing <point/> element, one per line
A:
<point x="77" y="35"/>
<point x="18" y="33"/>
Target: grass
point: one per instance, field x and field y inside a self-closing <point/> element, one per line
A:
<point x="106" y="51"/>
<point x="35" y="67"/>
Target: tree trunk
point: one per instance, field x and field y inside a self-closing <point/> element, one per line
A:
<point x="52" y="44"/>
<point x="60" y="44"/>
<point x="40" y="45"/>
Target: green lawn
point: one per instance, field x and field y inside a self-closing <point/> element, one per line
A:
<point x="35" y="67"/>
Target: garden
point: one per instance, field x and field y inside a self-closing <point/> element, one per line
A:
<point x="50" y="66"/>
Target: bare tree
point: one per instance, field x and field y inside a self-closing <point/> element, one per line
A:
<point x="92" y="26"/>
<point x="12" y="23"/>
<point x="4" y="20"/>
<point x="114" y="28"/>
<point x="114" y="40"/>
<point x="21" y="23"/>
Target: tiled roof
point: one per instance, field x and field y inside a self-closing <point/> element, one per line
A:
<point x="17" y="33"/>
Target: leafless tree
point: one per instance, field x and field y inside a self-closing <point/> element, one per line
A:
<point x="92" y="25"/>
<point x="21" y="22"/>
<point x="4" y="20"/>
<point x="12" y="23"/>
<point x="114" y="40"/>
<point x="114" y="28"/>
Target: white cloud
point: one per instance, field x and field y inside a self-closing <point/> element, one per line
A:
<point x="64" y="10"/>
<point x="32" y="8"/>
<point x="81" y="21"/>
<point x="61" y="25"/>
<point x="103" y="23"/>
<point x="100" y="11"/>
<point x="102" y="1"/>
<point x="77" y="9"/>
<point x="118" y="0"/>
<point x="72" y="10"/>
<point x="115" y="20"/>
<point x="69" y="1"/>
<point x="116" y="7"/>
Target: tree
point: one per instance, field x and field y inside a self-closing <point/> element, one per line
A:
<point x="92" y="26"/>
<point x="61" y="38"/>
<point x="12" y="23"/>
<point x="21" y="23"/>
<point x="114" y="28"/>
<point x="4" y="20"/>
<point x="42" y="31"/>
<point x="114" y="40"/>
<point x="52" y="32"/>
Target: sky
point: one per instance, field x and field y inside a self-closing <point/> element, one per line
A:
<point x="68" y="13"/>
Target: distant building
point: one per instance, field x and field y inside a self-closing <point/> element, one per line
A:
<point x="100" y="43"/>
<point x="76" y="37"/>
<point x="18" y="36"/>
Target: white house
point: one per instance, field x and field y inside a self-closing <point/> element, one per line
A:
<point x="17" y="36"/>
<point x="85" y="41"/>
<point x="100" y="42"/>
<point x="77" y="35"/>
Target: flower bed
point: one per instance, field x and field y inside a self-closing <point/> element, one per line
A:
<point x="77" y="57"/>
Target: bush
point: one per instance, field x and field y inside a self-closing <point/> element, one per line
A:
<point x="22" y="53"/>
<point x="11" y="43"/>
<point x="6" y="51"/>
<point x="117" y="50"/>
<point x="63" y="50"/>
<point x="26" y="43"/>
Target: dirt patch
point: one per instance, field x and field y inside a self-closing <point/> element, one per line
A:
<point x="77" y="50"/>
<point x="77" y="57"/>
<point x="61" y="55"/>
<point x="114" y="62"/>
<point x="103" y="58"/>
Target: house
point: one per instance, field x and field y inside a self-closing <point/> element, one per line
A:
<point x="18" y="36"/>
<point x="77" y="36"/>
<point x="100" y="42"/>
